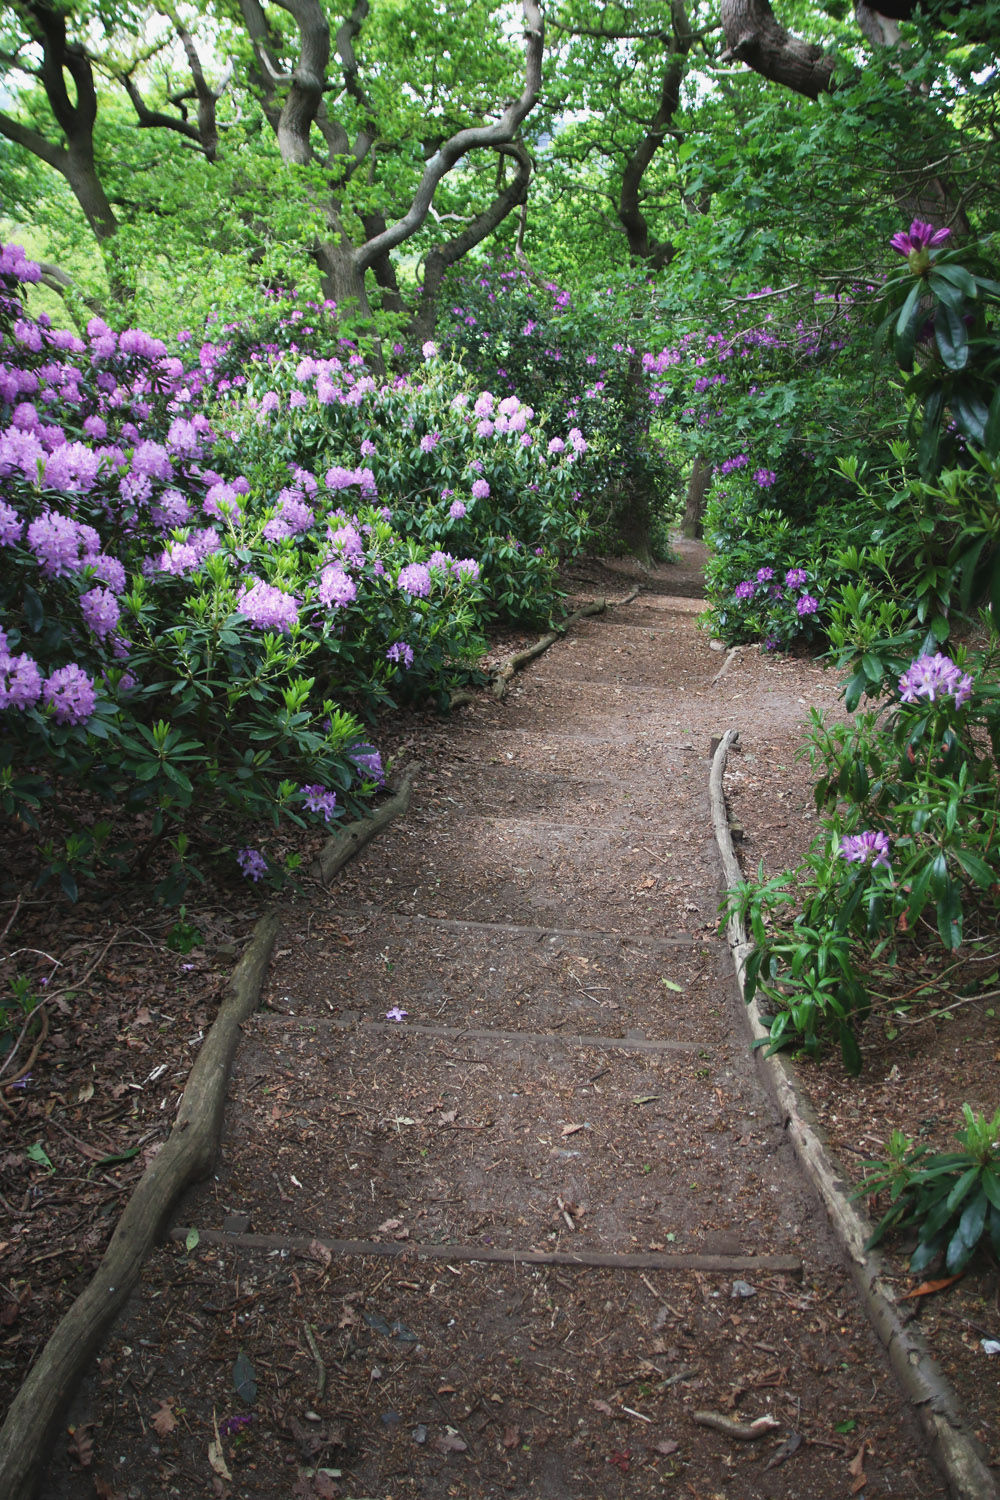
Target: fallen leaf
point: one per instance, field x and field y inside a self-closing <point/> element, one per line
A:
<point x="571" y="1130"/>
<point x="317" y="1251"/>
<point x="85" y="1092"/>
<point x="926" y="1287"/>
<point x="602" y="1406"/>
<point x="792" y="1444"/>
<point x="216" y="1457"/>
<point x="856" y="1469"/>
<point x="446" y="1390"/>
<point x="81" y="1445"/>
<point x="163" y="1419"/>
<point x="667" y="1447"/>
<point x="103" y="1490"/>
<point x="448" y="1117"/>
<point x="390" y="1226"/>
<point x="622" y="1460"/>
<point x="324" y="1486"/>
<point x="511" y="1437"/>
<point x="449" y="1442"/>
<point x="142" y="1017"/>
<point x="668" y="984"/>
<point x="645" y="1098"/>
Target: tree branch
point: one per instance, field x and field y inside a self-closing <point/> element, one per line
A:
<point x="463" y="141"/>
<point x="755" y="37"/>
<point x="447" y="254"/>
<point x="33" y="141"/>
<point x="630" y="213"/>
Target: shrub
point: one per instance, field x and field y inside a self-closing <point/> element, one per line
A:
<point x="204" y="593"/>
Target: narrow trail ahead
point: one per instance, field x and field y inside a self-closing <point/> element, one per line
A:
<point x="515" y="1241"/>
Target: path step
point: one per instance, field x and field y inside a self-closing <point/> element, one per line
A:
<point x="467" y="1140"/>
<point x="362" y="964"/>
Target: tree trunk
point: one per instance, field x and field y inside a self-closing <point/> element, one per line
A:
<point x="343" y="281"/>
<point x="692" y="523"/>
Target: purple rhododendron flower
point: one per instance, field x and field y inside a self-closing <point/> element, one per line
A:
<point x="764" y="575"/>
<point x="11" y="525"/>
<point x="746" y="589"/>
<point x="415" y="579"/>
<point x="20" y="680"/>
<point x="252" y="863"/>
<point x="336" y="588"/>
<point x="865" y="848"/>
<point x="920" y="237"/>
<point x="100" y="611"/>
<point x="807" y="605"/>
<point x="267" y="607"/>
<point x="480" y="489"/>
<point x="795" y="578"/>
<point x="70" y="694"/>
<point x="400" y="652"/>
<point x="318" y="800"/>
<point x="934" y="677"/>
<point x="456" y="510"/>
<point x="368" y="761"/>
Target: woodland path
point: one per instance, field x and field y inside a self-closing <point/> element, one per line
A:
<point x="613" y="1233"/>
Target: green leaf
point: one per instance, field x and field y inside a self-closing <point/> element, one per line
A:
<point x="977" y="869"/>
<point x="949" y="914"/>
<point x="37" y="1153"/>
<point x="952" y="338"/>
<point x="961" y="1189"/>
<point x="971" y="412"/>
<point x="991" y="432"/>
<point x="191" y="1240"/>
<point x="958" y="276"/>
<point x="968" y="1233"/>
<point x="906" y="326"/>
<point x="850" y="1051"/>
<point x="991" y="1186"/>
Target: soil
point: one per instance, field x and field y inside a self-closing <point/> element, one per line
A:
<point x="522" y="1239"/>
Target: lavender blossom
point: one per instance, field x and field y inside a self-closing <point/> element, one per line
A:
<point x="865" y="848"/>
<point x="400" y="652"/>
<point x="69" y="692"/>
<point x="932" y="677"/>
<point x="252" y="863"/>
<point x="318" y="800"/>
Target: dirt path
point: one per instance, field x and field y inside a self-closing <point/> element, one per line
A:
<point x="522" y="1239"/>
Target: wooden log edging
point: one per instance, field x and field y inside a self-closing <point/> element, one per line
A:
<point x="490" y="1255"/>
<point x="935" y="1402"/>
<point x="343" y="845"/>
<point x="187" y="1156"/>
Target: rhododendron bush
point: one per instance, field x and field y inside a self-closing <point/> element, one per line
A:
<point x="212" y="571"/>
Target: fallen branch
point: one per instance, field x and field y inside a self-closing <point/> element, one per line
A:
<point x="187" y="1156"/>
<point x="744" y="1432"/>
<point x="347" y="841"/>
